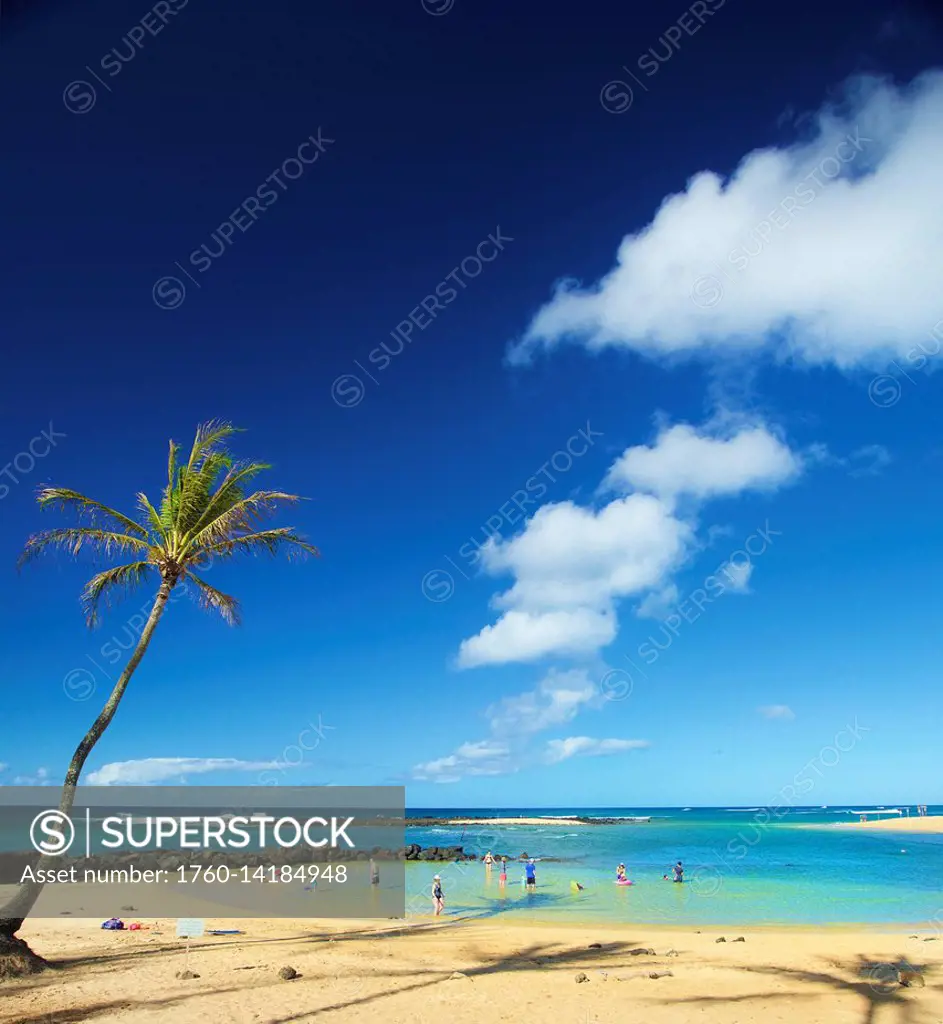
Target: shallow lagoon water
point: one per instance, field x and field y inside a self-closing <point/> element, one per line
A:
<point x="741" y="866"/>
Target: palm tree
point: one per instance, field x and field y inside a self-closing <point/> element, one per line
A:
<point x="205" y="514"/>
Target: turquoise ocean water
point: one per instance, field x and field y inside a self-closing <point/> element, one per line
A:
<point x="742" y="866"/>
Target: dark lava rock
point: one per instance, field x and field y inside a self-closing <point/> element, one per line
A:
<point x="288" y="973"/>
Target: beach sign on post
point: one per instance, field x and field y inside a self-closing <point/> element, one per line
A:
<point x="189" y="928"/>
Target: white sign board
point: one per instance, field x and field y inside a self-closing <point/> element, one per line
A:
<point x="189" y="927"/>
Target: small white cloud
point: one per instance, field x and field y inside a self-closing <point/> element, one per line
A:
<point x="585" y="746"/>
<point x="41" y="778"/>
<point x="529" y="636"/>
<point x="481" y="758"/>
<point x="484" y="749"/>
<point x="154" y="770"/>
<point x="738" y="577"/>
<point x="557" y="699"/>
<point x="3" y="766"/>
<point x="442" y="769"/>
<point x="684" y="461"/>
<point x="777" y="711"/>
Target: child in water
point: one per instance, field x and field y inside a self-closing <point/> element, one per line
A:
<point x="620" y="873"/>
<point x="438" y="897"/>
<point x="503" y="877"/>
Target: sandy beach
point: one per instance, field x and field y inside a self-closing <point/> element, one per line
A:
<point x="466" y="971"/>
<point x="929" y="824"/>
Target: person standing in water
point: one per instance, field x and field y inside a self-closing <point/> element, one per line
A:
<point x="620" y="873"/>
<point x="678" y="872"/>
<point x="374" y="872"/>
<point x="503" y="877"/>
<point x="530" y="874"/>
<point x="438" y="897"/>
<point x="489" y="860"/>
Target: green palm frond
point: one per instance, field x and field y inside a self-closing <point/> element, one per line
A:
<point x="102" y="586"/>
<point x="209" y="439"/>
<point x="270" y="541"/>
<point x="50" y="497"/>
<point x="230" y="490"/>
<point x="208" y="597"/>
<point x="241" y="516"/>
<point x="196" y="490"/>
<point x="150" y="514"/>
<point x="72" y="539"/>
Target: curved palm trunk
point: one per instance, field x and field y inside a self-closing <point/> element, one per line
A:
<point x="15" y="956"/>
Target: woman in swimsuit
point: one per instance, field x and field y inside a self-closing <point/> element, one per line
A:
<point x="438" y="897"/>
<point x="489" y="860"/>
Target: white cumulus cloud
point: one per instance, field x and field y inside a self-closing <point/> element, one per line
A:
<point x="153" y="770"/>
<point x="585" y="746"/>
<point x="572" y="564"/>
<point x="683" y="461"/>
<point x="830" y="249"/>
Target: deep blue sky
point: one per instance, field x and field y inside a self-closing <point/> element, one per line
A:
<point x="444" y="128"/>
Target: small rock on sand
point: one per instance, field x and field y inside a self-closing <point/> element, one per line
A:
<point x="721" y="939"/>
<point x="672" y="952"/>
<point x="186" y="975"/>
<point x="739" y="938"/>
<point x="595" y="945"/>
<point x="661" y="974"/>
<point x="288" y="973"/>
<point x="641" y="952"/>
<point x="580" y="978"/>
<point x="457" y="975"/>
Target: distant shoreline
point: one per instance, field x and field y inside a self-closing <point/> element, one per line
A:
<point x="556" y="819"/>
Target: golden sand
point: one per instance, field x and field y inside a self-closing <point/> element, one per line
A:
<point x="931" y="823"/>
<point x="466" y="972"/>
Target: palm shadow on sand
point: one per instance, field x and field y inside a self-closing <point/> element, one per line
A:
<point x="873" y="981"/>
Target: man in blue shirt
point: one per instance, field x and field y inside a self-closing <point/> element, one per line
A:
<point x="530" y="872"/>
